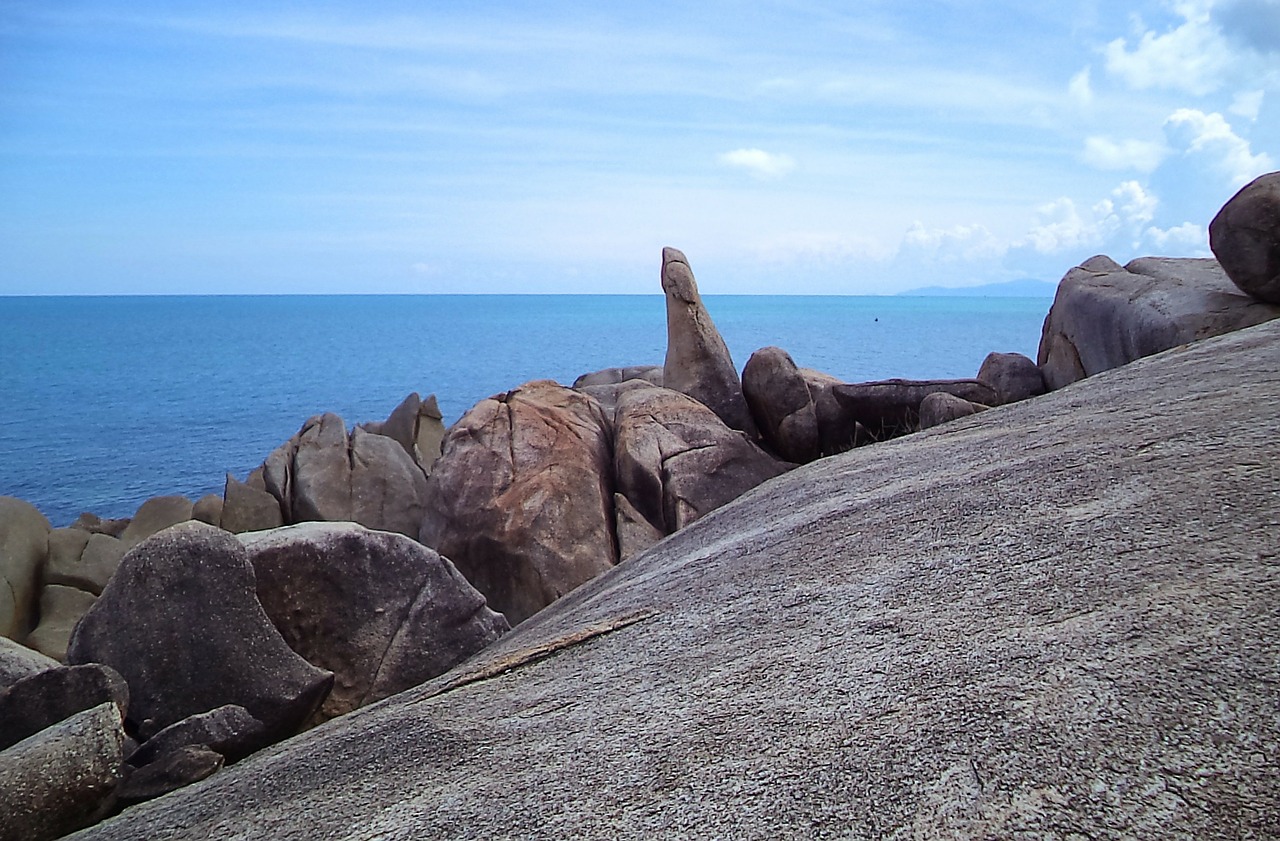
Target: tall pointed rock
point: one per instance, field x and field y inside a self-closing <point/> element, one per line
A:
<point x="698" y="362"/>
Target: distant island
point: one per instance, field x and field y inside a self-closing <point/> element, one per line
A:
<point x="1024" y="288"/>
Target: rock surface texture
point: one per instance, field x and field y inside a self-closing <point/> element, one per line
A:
<point x="889" y="408"/>
<point x="182" y="623"/>
<point x="24" y="543"/>
<point x="521" y="501"/>
<point x="698" y="362"/>
<point x="380" y="611"/>
<point x="1012" y="376"/>
<point x="797" y="413"/>
<point x="1245" y="237"/>
<point x="1053" y="620"/>
<point x="1105" y="315"/>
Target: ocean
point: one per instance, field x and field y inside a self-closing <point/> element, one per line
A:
<point x="108" y="401"/>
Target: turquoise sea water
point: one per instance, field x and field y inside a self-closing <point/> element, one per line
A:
<point x="108" y="401"/>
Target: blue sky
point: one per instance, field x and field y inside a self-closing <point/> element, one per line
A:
<point x="805" y="147"/>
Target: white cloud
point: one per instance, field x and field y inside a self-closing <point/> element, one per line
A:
<point x="1187" y="238"/>
<point x="1212" y="136"/>
<point x="1062" y="226"/>
<point x="1079" y="88"/>
<point x="960" y="243"/>
<point x="1247" y="104"/>
<point x="1105" y="153"/>
<point x="1194" y="57"/>
<point x="759" y="163"/>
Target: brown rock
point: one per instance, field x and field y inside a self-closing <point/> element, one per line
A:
<point x="675" y="461"/>
<point x="154" y="516"/>
<point x="246" y="508"/>
<point x="208" y="509"/>
<point x="19" y="661"/>
<point x="380" y="611"/>
<point x="180" y="620"/>
<point x="941" y="407"/>
<point x="417" y="425"/>
<point x="797" y="412"/>
<point x="613" y="376"/>
<point x="94" y="524"/>
<point x="1013" y="376"/>
<point x="1245" y="237"/>
<point x="698" y="362"/>
<point x="521" y="499"/>
<point x="82" y="560"/>
<point x="888" y="408"/>
<point x="43" y="699"/>
<point x="24" y="544"/>
<point x="1105" y="316"/>
<point x="60" y="609"/>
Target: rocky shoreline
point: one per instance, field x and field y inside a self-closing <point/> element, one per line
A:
<point x="356" y="564"/>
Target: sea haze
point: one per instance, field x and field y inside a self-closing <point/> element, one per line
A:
<point x="111" y="400"/>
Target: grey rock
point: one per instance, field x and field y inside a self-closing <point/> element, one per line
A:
<point x="19" y="661"/>
<point x="941" y="407"/>
<point x="60" y="610"/>
<point x="698" y="362"/>
<point x="172" y="771"/>
<point x="1014" y="377"/>
<point x="82" y="560"/>
<point x="246" y="508"/>
<point x="521" y="500"/>
<point x="1105" y="316"/>
<point x="675" y="461"/>
<point x="417" y="425"/>
<point x="1245" y="237"/>
<point x="63" y="778"/>
<point x="635" y="532"/>
<point x="154" y="516"/>
<point x="24" y="544"/>
<point x="43" y="699"/>
<point x="795" y="408"/>
<point x="381" y="611"/>
<point x="94" y="524"/>
<point x="208" y="509"/>
<point x="889" y="408"/>
<point x="230" y="730"/>
<point x="613" y="376"/>
<point x="181" y="622"/>
<point x="1056" y="620"/>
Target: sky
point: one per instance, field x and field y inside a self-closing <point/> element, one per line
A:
<point x="557" y="146"/>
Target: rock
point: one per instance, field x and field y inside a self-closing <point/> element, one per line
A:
<point x="230" y="730"/>
<point x="154" y="516"/>
<point x="63" y="778"/>
<point x="889" y="408"/>
<point x="612" y="376"/>
<point x="675" y="461"/>
<point x="185" y="766"/>
<point x="1012" y="376"/>
<point x="43" y="699"/>
<point x="60" y="609"/>
<point x="208" y="509"/>
<point x="797" y="412"/>
<point x="1245" y="237"/>
<point x="94" y="524"/>
<point x="24" y="543"/>
<point x="1044" y="623"/>
<point x="82" y="560"/>
<point x="19" y="661"/>
<point x="635" y="533"/>
<point x="181" y="622"/>
<point x="418" y="427"/>
<point x="521" y="500"/>
<point x="380" y="611"/>
<point x="322" y="475"/>
<point x="698" y="362"/>
<point x="1105" y="316"/>
<point x="941" y="407"/>
<point x="246" y="508"/>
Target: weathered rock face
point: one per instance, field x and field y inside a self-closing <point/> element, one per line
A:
<point x="613" y="376"/>
<point x="381" y="611"/>
<point x="247" y="508"/>
<point x="521" y="499"/>
<point x="698" y="362"/>
<point x="889" y="408"/>
<point x="43" y="699"/>
<point x="182" y="767"/>
<point x="797" y="413"/>
<point x="1105" y="316"/>
<point x="62" y="778"/>
<point x="1005" y="631"/>
<point x="1245" y="237"/>
<point x="321" y="474"/>
<point x="208" y="509"/>
<point x="180" y="620"/>
<point x="24" y="542"/>
<point x="417" y="425"/>
<point x="940" y="407"/>
<point x="1012" y="376"/>
<point x="19" y="661"/>
<point x="154" y="516"/>
<point x="675" y="461"/>
<point x="82" y="560"/>
<point x="60" y="609"/>
<point x="230" y="730"/>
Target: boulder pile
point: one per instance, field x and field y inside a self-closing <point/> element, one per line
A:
<point x="355" y="564"/>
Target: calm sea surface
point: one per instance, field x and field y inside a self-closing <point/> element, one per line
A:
<point x="108" y="401"/>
